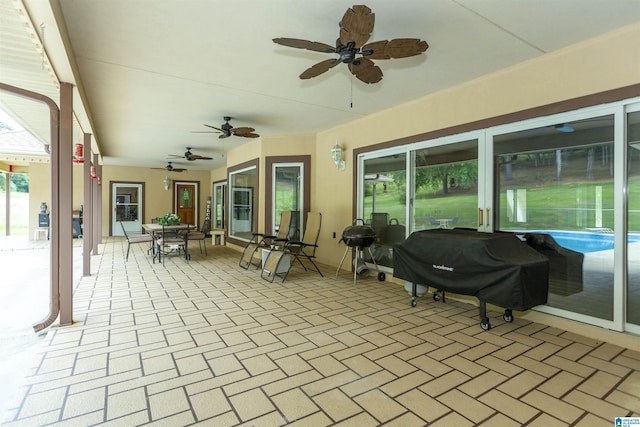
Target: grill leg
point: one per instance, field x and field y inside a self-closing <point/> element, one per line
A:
<point x="373" y="259"/>
<point x="342" y="260"/>
<point x="355" y="269"/>
<point x="484" y="320"/>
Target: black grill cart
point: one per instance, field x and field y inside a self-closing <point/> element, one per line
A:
<point x="498" y="268"/>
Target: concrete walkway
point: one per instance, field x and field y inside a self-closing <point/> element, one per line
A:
<point x="24" y="300"/>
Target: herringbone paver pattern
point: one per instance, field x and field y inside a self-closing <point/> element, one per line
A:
<point x="210" y="343"/>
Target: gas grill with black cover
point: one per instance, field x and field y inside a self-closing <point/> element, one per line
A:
<point x="497" y="268"/>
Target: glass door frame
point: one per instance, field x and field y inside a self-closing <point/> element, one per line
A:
<point x="619" y="183"/>
<point x="250" y="169"/>
<point x="410" y="150"/>
<point x="305" y="161"/>
<point x="487" y="191"/>
<point x="626" y="326"/>
<point x="131" y="226"/>
<point x="221" y="187"/>
<point x="301" y="195"/>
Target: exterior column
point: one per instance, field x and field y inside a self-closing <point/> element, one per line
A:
<point x="54" y="122"/>
<point x="96" y="206"/>
<point x="87" y="208"/>
<point x="7" y="208"/>
<point x="65" y="209"/>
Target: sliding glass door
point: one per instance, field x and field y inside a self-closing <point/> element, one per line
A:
<point x="445" y="186"/>
<point x="633" y="220"/>
<point x="243" y="203"/>
<point x="568" y="185"/>
<point x="428" y="185"/>
<point x="288" y="195"/>
<point x="555" y="187"/>
<point x="219" y="205"/>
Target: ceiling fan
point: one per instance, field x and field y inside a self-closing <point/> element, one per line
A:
<point x="227" y="130"/>
<point x="355" y="29"/>
<point x="170" y="168"/>
<point x="190" y="156"/>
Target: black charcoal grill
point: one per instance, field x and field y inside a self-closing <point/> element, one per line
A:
<point x="359" y="236"/>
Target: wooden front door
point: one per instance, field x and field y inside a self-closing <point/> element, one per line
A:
<point x="187" y="203"/>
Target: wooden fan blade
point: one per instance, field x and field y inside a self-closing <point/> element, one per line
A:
<point x="304" y="44"/>
<point x="248" y="135"/>
<point x="396" y="48"/>
<point x="241" y="130"/>
<point x="245" y="132"/>
<point x="177" y="170"/>
<point x="319" y="68"/>
<point x="198" y="157"/>
<point x="366" y="71"/>
<point x="357" y="25"/>
<point x="213" y="127"/>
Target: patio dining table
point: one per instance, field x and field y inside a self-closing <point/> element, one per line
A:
<point x="157" y="230"/>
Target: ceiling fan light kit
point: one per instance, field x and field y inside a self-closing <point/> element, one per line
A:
<point x="356" y="27"/>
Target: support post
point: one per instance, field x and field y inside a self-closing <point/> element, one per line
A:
<point x="64" y="219"/>
<point x="87" y="208"/>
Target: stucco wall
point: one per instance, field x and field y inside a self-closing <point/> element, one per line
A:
<point x="157" y="200"/>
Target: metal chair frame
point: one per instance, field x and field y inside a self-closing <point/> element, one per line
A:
<point x="135" y="238"/>
<point x="288" y="228"/>
<point x="299" y="250"/>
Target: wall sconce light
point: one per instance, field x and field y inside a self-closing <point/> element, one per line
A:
<point x="167" y="183"/>
<point x="336" y="155"/>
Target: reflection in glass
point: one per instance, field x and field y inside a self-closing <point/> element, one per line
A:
<point x="445" y="193"/>
<point x="126" y="203"/>
<point x="384" y="204"/>
<point x="556" y="183"/>
<point x="219" y="204"/>
<point x="242" y="204"/>
<point x="288" y="196"/>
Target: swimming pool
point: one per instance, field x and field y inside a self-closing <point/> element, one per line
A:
<point x="585" y="242"/>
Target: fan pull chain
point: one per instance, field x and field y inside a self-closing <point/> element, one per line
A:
<point x="351" y="88"/>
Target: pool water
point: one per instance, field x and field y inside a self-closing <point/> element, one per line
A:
<point x="586" y="242"/>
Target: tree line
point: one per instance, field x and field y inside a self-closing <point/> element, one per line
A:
<point x="19" y="182"/>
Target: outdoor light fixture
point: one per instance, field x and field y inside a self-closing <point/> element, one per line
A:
<point x="336" y="154"/>
<point x="167" y="183"/>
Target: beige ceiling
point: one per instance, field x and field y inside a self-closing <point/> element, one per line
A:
<point x="151" y="73"/>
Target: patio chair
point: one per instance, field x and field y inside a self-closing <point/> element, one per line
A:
<point x="288" y="228"/>
<point x="171" y="241"/>
<point x="280" y="261"/>
<point x="133" y="238"/>
<point x="199" y="236"/>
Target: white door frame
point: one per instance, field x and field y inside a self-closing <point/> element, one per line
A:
<point x="134" y="222"/>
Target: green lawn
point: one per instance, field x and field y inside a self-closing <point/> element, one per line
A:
<point x="553" y="206"/>
<point x="19" y="214"/>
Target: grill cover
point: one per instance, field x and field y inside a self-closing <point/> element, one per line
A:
<point x="497" y="268"/>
